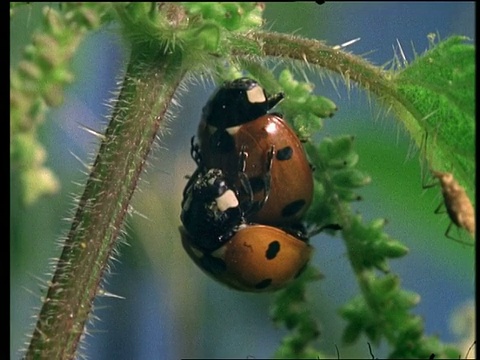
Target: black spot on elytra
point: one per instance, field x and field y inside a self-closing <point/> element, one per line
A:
<point x="273" y="249"/>
<point x="222" y="142"/>
<point x="257" y="184"/>
<point x="293" y="208"/>
<point x="285" y="153"/>
<point x="213" y="265"/>
<point x="263" y="284"/>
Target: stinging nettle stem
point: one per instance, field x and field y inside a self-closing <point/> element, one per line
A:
<point x="146" y="93"/>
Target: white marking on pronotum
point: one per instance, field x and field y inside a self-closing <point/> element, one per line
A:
<point x="233" y="130"/>
<point x="256" y="95"/>
<point x="227" y="201"/>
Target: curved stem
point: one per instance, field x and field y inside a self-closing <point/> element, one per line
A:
<point x="350" y="67"/>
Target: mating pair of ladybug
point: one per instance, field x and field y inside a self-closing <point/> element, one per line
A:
<point x="242" y="207"/>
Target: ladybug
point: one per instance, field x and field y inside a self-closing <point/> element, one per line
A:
<point x="212" y="206"/>
<point x="216" y="235"/>
<point x="238" y="175"/>
<point x="256" y="258"/>
<point x="236" y="119"/>
<point x="238" y="102"/>
<point x="291" y="184"/>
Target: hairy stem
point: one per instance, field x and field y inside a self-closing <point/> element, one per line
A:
<point x="146" y="93"/>
<point x="351" y="67"/>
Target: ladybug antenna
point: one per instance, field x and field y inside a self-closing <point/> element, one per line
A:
<point x="273" y="100"/>
<point x="268" y="176"/>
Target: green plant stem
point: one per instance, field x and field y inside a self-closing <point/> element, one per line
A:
<point x="376" y="81"/>
<point x="351" y="67"/>
<point x="146" y="93"/>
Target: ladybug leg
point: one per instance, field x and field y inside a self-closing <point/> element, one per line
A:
<point x="270" y="155"/>
<point x="195" y="151"/>
<point x="268" y="176"/>
<point x="242" y="165"/>
<point x="242" y="159"/>
<point x="298" y="230"/>
<point x="191" y="181"/>
<point x="333" y="227"/>
<point x="318" y="229"/>
<point x="274" y="100"/>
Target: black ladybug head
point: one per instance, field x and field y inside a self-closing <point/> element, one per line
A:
<point x="238" y="102"/>
<point x="210" y="210"/>
<point x="211" y="186"/>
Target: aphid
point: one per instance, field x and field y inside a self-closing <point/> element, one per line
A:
<point x="456" y="201"/>
<point x="458" y="205"/>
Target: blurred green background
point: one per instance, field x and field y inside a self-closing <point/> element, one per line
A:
<point x="171" y="309"/>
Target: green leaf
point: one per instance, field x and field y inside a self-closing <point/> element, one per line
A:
<point x="440" y="86"/>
